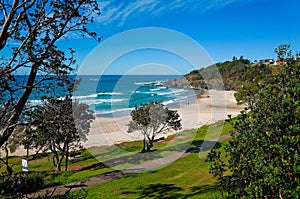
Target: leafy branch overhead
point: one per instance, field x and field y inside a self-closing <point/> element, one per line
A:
<point x="34" y="27"/>
<point x="151" y="120"/>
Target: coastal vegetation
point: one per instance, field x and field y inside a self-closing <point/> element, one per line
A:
<point x="261" y="160"/>
<point x="196" y="180"/>
<point x="35" y="27"/>
<point x="59" y="126"/>
<point x="29" y="37"/>
<point x="263" y="154"/>
<point x="151" y="120"/>
<point x="233" y="74"/>
<point x="239" y="72"/>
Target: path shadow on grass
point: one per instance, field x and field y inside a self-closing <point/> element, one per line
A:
<point x="168" y="191"/>
<point x="95" y="166"/>
<point x="158" y="191"/>
<point x="196" y="190"/>
<point x="198" y="145"/>
<point x="139" y="158"/>
<point x="135" y="158"/>
<point x="192" y="146"/>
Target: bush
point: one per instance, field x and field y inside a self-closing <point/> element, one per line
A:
<point x="264" y="154"/>
<point x="20" y="183"/>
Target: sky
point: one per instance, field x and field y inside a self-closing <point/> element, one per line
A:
<point x="223" y="28"/>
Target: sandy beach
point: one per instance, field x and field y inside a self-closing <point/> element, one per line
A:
<point x="211" y="107"/>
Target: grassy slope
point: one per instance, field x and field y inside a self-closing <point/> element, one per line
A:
<point x="233" y="74"/>
<point x="188" y="177"/>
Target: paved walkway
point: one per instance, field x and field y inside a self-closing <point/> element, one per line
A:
<point x="150" y="165"/>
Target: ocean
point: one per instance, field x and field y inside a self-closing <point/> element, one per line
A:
<point x="117" y="95"/>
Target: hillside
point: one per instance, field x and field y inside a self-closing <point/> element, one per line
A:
<point x="233" y="74"/>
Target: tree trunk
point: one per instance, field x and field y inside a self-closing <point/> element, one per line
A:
<point x="7" y="23"/>
<point x="13" y="119"/>
<point x="8" y="168"/>
<point x="149" y="144"/>
<point x="144" y="145"/>
<point x="67" y="157"/>
<point x="53" y="160"/>
<point x="59" y="162"/>
<point x="54" y="154"/>
<point x="27" y="152"/>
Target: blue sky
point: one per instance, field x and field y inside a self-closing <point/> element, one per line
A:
<point x="224" y="28"/>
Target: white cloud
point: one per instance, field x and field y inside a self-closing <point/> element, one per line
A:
<point x="119" y="11"/>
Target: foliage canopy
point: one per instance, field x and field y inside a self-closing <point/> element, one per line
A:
<point x="152" y="119"/>
<point x="58" y="126"/>
<point x="35" y="27"/>
<point x="264" y="158"/>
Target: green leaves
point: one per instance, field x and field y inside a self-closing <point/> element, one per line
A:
<point x="264" y="149"/>
<point x="152" y="119"/>
<point x="35" y="27"/>
<point x="58" y="125"/>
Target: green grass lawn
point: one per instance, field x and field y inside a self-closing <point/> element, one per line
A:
<point x="186" y="177"/>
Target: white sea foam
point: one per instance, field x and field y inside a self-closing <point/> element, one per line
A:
<point x="154" y="83"/>
<point x="155" y="89"/>
<point x="124" y="110"/>
<point x="162" y="87"/>
<point x="101" y="101"/>
<point x="85" y="96"/>
<point x="166" y="103"/>
<point x="35" y="102"/>
<point x="96" y="95"/>
<point x="172" y="92"/>
<point x="109" y="93"/>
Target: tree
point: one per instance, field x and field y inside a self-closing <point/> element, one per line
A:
<point x="59" y="125"/>
<point x="283" y="52"/>
<point x="10" y="146"/>
<point x="245" y="94"/>
<point x="264" y="151"/>
<point x="34" y="27"/>
<point x="152" y="119"/>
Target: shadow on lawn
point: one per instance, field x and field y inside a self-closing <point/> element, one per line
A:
<point x="135" y="158"/>
<point x="192" y="146"/>
<point x="95" y="166"/>
<point x="138" y="158"/>
<point x="165" y="191"/>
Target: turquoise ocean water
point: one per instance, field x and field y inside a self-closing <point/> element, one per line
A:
<point x="117" y="95"/>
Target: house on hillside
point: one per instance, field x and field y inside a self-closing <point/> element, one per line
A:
<point x="267" y="61"/>
<point x="280" y="62"/>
